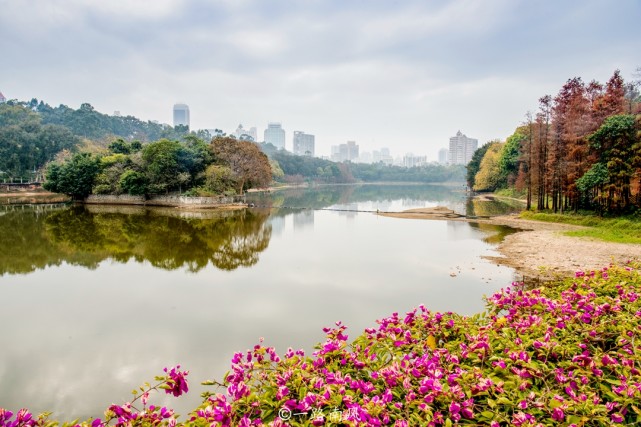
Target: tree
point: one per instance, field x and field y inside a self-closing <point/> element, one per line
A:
<point x="219" y="179"/>
<point x="487" y="178"/>
<point x="509" y="159"/>
<point x="474" y="164"/>
<point x="133" y="182"/>
<point x="617" y="143"/>
<point x="161" y="162"/>
<point x="75" y="177"/>
<point x="248" y="163"/>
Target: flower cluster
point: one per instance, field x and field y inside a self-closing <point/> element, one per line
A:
<point x="565" y="354"/>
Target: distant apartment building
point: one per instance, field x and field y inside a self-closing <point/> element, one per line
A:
<point x="382" y="156"/>
<point x="410" y="160"/>
<point x="345" y="152"/>
<point x="461" y="149"/>
<point x="181" y="115"/>
<point x="304" y="143"/>
<point x="442" y="156"/>
<point x="275" y="134"/>
<point x="247" y="134"/>
<point x="2" y="98"/>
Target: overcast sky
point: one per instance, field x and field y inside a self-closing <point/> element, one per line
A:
<point x="400" y="74"/>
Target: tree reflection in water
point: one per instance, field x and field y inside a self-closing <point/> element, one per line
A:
<point x="166" y="238"/>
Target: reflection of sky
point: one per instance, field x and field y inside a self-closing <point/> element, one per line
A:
<point x="76" y="340"/>
<point x="397" y="205"/>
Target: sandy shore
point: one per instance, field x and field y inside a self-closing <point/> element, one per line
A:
<point x="540" y="249"/>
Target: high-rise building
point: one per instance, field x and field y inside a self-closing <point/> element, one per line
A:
<point x="410" y="160"/>
<point x="462" y="149"/>
<point x="248" y="134"/>
<point x="181" y="115"/>
<point x="442" y="156"/>
<point x="383" y="156"/>
<point x="2" y="98"/>
<point x="275" y="134"/>
<point x="344" y="152"/>
<point x="303" y="143"/>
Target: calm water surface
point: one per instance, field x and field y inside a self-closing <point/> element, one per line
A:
<point x="97" y="300"/>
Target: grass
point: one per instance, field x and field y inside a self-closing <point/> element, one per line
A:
<point x="510" y="192"/>
<point x="626" y="229"/>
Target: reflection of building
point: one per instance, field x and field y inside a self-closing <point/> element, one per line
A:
<point x="303" y="219"/>
<point x="246" y="134"/>
<point x="461" y="149"/>
<point x="181" y="115"/>
<point x="343" y="152"/>
<point x="275" y="134"/>
<point x="303" y="143"/>
<point x="278" y="224"/>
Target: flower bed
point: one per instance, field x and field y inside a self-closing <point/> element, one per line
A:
<point x="567" y="354"/>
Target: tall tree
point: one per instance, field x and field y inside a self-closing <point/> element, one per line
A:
<point x="75" y="177"/>
<point x="475" y="164"/>
<point x="543" y="122"/>
<point x="248" y="163"/>
<point x="617" y="142"/>
<point x="487" y="178"/>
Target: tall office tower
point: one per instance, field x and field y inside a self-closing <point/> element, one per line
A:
<point x="181" y="115"/>
<point x="442" y="156"/>
<point x="275" y="134"/>
<point x="303" y="143"/>
<point x="462" y="149"/>
<point x="352" y="150"/>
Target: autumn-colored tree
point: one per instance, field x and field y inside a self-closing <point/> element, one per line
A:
<point x="542" y="143"/>
<point x="488" y="176"/>
<point x="612" y="100"/>
<point x="250" y="166"/>
<point x="556" y="160"/>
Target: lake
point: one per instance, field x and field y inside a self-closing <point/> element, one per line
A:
<point x="97" y="300"/>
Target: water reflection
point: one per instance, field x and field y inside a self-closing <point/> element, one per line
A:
<point x="107" y="300"/>
<point x="167" y="239"/>
<point x="386" y="198"/>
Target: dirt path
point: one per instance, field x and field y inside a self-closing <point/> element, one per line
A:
<point x="540" y="249"/>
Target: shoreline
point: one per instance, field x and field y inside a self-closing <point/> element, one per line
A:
<point x="539" y="250"/>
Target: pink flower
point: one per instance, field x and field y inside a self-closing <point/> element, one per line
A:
<point x="558" y="414"/>
<point x="616" y="417"/>
<point x="177" y="382"/>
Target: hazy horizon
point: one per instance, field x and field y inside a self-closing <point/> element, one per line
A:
<point x="404" y="76"/>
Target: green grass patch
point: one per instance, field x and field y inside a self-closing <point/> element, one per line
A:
<point x="625" y="229"/>
<point x="511" y="192"/>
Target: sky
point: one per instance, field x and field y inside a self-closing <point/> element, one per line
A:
<point x="406" y="75"/>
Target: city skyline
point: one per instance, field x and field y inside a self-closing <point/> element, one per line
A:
<point x="404" y="76"/>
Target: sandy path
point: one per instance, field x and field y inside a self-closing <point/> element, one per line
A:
<point x="541" y="250"/>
